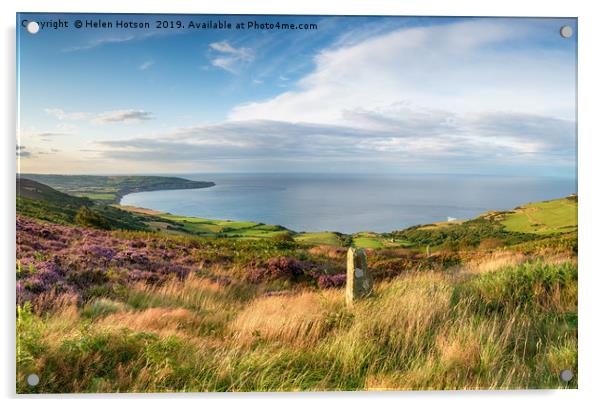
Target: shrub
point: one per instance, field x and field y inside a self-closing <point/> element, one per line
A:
<point x="87" y="277"/>
<point x="336" y="281"/>
<point x="490" y="243"/>
<point x="283" y="237"/>
<point x="450" y="246"/>
<point x="29" y="333"/>
<point x="281" y="267"/>
<point x="463" y="235"/>
<point x="88" y="218"/>
<point x="101" y="307"/>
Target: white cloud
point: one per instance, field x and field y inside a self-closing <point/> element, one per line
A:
<point x="462" y="95"/>
<point x="118" y="39"/>
<point x="394" y="138"/>
<point x="472" y="66"/>
<point x="62" y="129"/>
<point x="224" y="47"/>
<point x="100" y="42"/>
<point x="116" y="116"/>
<point x="62" y="115"/>
<point x="145" y="65"/>
<point x="125" y="116"/>
<point x="21" y="152"/>
<point x="448" y="96"/>
<point x="230" y="58"/>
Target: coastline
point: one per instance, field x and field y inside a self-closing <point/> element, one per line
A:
<point x="171" y="219"/>
<point x="121" y="194"/>
<point x="391" y="238"/>
<point x="317" y="202"/>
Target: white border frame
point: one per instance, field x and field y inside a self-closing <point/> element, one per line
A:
<point x="589" y="91"/>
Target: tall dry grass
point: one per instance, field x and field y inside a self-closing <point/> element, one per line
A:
<point x="301" y="319"/>
<point x="494" y="261"/>
<point x="513" y="327"/>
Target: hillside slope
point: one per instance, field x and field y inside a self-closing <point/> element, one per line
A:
<point x="45" y="203"/>
<point x="528" y="222"/>
<point x="544" y="218"/>
<point x="27" y="188"/>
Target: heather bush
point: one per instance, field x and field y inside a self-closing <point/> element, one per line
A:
<point x="280" y="268"/>
<point x="336" y="281"/>
<point x="284" y="267"/>
<point x="87" y="261"/>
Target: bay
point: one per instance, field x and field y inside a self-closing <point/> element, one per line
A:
<point x="351" y="203"/>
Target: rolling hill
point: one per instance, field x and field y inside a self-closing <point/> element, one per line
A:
<point x="43" y="202"/>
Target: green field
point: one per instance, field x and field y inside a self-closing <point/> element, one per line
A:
<point x="543" y="218"/>
<point x="110" y="189"/>
<point x="223" y="228"/>
<point x="98" y="196"/>
<point x="319" y="238"/>
<point x="369" y="241"/>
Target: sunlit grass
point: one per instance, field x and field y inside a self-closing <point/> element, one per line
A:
<point x="319" y="238"/>
<point x="548" y="217"/>
<point x="514" y="327"/>
<point x="368" y="241"/>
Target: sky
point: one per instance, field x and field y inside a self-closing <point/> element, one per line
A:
<point x="355" y="95"/>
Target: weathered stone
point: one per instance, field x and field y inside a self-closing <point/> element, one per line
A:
<point x="359" y="277"/>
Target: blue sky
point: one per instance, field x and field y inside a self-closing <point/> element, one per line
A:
<point x="358" y="94"/>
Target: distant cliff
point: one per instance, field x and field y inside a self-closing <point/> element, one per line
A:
<point x="110" y="189"/>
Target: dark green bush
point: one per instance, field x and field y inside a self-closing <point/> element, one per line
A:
<point x="461" y="236"/>
<point x="88" y="218"/>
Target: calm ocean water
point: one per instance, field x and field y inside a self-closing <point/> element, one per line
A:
<point x="351" y="203"/>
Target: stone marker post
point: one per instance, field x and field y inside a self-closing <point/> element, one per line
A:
<point x="359" y="278"/>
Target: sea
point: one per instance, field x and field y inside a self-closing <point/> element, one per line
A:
<point x="350" y="203"/>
